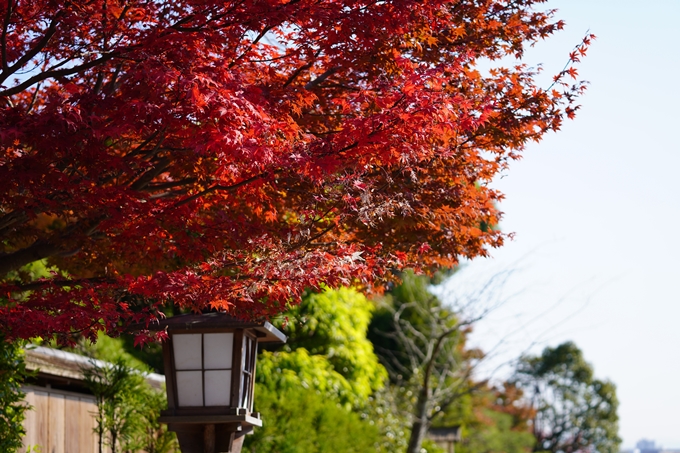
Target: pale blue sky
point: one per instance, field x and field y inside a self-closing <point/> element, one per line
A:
<point x="596" y="214"/>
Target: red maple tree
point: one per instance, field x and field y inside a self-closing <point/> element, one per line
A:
<point x="229" y="154"/>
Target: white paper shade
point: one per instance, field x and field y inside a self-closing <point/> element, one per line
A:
<point x="218" y="387"/>
<point x="189" y="388"/>
<point x="187" y="351"/>
<point x="217" y="350"/>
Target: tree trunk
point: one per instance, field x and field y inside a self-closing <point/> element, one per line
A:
<point x="420" y="423"/>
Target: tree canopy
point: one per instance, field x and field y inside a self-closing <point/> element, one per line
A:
<point x="230" y="154"/>
<point x="574" y="411"/>
<point x="327" y="349"/>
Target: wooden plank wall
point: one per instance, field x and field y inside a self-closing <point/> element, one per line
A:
<point x="60" y="422"/>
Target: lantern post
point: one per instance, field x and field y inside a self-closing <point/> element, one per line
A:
<point x="209" y="364"/>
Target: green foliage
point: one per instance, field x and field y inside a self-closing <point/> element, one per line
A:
<point x="12" y="407"/>
<point x="13" y="368"/>
<point x="333" y="324"/>
<point x="34" y="271"/>
<point x="303" y="420"/>
<point x="113" y="385"/>
<point x="430" y="447"/>
<point x="574" y="411"/>
<point x="127" y="409"/>
<point x="149" y="434"/>
<point x="282" y="371"/>
<point x="319" y="393"/>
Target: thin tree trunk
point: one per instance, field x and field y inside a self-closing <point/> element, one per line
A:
<point x="114" y="438"/>
<point x="420" y="423"/>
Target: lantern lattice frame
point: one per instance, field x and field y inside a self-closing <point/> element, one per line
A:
<point x="192" y="351"/>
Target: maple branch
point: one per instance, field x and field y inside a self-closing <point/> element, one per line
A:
<point x="343" y="86"/>
<point x="54" y="74"/>
<point x="177" y="25"/>
<point x="8" y="71"/>
<point x="313" y="238"/>
<point x="255" y="41"/>
<point x="12" y="218"/>
<point x="267" y="60"/>
<point x="299" y="70"/>
<point x="34" y="98"/>
<point x="3" y="40"/>
<point x="38" y="250"/>
<point x="98" y="83"/>
<point x="170" y="185"/>
<point x="113" y="83"/>
<point x="168" y="194"/>
<point x="150" y="174"/>
<point x="314" y="83"/>
<point x="217" y="187"/>
<point x="142" y="145"/>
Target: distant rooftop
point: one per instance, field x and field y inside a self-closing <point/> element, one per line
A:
<point x="67" y="367"/>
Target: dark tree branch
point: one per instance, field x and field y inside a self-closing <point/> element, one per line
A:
<point x="169" y="185"/>
<point x="255" y="41"/>
<point x="3" y="39"/>
<point x="12" y="218"/>
<point x="38" y="250"/>
<point x="40" y="45"/>
<point x="314" y="83"/>
<point x="218" y="187"/>
<point x="151" y="173"/>
<point x="57" y="73"/>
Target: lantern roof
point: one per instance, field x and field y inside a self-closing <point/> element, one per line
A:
<point x="265" y="331"/>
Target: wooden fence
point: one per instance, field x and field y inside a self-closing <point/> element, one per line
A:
<point x="59" y="422"/>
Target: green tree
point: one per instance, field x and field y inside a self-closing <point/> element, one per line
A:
<point x="13" y="369"/>
<point x="317" y="394"/>
<point x="575" y="412"/>
<point x="113" y="385"/>
<point x="127" y="409"/>
<point x="149" y="434"/>
<point x="12" y="405"/>
<point x="299" y="419"/>
<point x="334" y="324"/>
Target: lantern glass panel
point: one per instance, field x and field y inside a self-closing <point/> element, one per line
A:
<point x="187" y="349"/>
<point x="249" y="351"/>
<point x="217" y="351"/>
<point x="190" y="388"/>
<point x="218" y="388"/>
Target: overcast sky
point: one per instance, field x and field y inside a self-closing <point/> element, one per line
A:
<point x="596" y="214"/>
